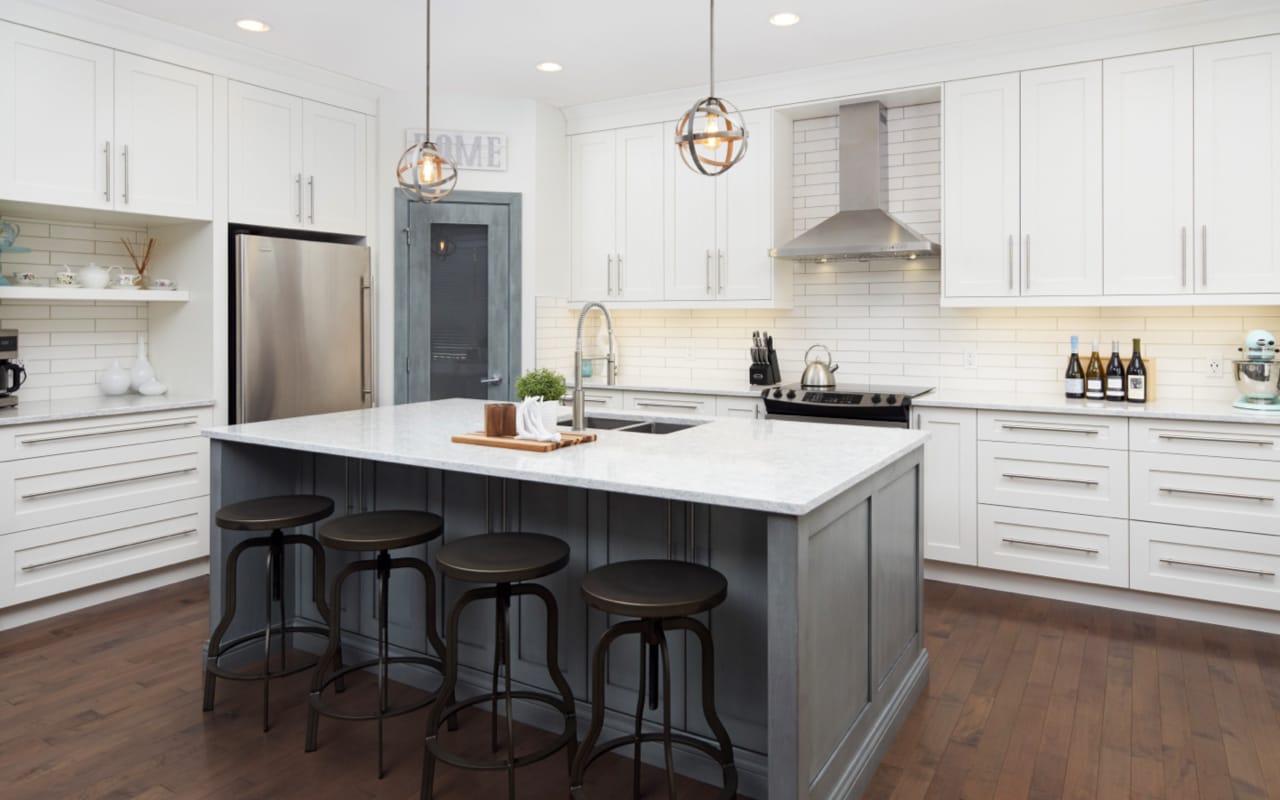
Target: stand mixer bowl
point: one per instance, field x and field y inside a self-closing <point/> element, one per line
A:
<point x="1258" y="381"/>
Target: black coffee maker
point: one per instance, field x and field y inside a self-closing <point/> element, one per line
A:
<point x="12" y="374"/>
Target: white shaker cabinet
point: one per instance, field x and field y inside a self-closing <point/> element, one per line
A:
<point x="336" y="168"/>
<point x="950" y="521"/>
<point x="1237" y="166"/>
<point x="694" y="262"/>
<point x="980" y="218"/>
<point x="1147" y="156"/>
<point x="593" y="215"/>
<point x="1061" y="176"/>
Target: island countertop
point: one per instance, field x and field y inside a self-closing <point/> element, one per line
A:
<point x="759" y="465"/>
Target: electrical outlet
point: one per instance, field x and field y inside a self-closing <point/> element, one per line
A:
<point x="1215" y="367"/>
<point x="970" y="360"/>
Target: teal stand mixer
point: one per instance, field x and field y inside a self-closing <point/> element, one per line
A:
<point x="1258" y="373"/>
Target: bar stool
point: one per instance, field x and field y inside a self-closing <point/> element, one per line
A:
<point x="378" y="531"/>
<point x="662" y="595"/>
<point x="266" y="514"/>
<point x="501" y="559"/>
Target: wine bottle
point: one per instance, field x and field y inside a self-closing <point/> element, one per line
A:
<point x="1093" y="377"/>
<point x="1136" y="375"/>
<point x="1115" y="374"/>
<point x="1075" y="373"/>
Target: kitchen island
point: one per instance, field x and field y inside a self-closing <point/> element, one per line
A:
<point x="819" y="651"/>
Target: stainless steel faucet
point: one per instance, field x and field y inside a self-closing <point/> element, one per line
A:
<point x="611" y="371"/>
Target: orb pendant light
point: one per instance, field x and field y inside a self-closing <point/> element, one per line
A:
<point x="424" y="173"/>
<point x="710" y="135"/>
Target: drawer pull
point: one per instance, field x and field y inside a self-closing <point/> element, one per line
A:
<point x="1073" y="548"/>
<point x="105" y="550"/>
<point x="1176" y="563"/>
<point x="1019" y="477"/>
<point x="1050" y="429"/>
<point x="116" y="482"/>
<point x="656" y="404"/>
<point x="1232" y="495"/>
<point x="1222" y="439"/>
<point x="58" y="437"/>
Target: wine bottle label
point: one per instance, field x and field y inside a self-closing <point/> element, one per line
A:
<point x="1137" y="388"/>
<point x="1093" y="388"/>
<point x="1115" y="385"/>
<point x="1075" y="385"/>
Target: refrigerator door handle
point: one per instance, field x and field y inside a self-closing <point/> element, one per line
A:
<point x="366" y="388"/>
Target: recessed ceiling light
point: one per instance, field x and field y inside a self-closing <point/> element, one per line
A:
<point x="252" y="25"/>
<point x="548" y="66"/>
<point x="784" y="19"/>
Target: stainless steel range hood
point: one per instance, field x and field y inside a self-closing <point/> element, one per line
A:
<point x="862" y="228"/>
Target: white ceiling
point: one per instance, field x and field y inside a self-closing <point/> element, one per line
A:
<point x="608" y="48"/>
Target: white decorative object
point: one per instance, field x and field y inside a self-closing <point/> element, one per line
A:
<point x="152" y="388"/>
<point x="550" y="411"/>
<point x="529" y="423"/>
<point x="94" y="277"/>
<point x="114" y="381"/>
<point x="141" y="371"/>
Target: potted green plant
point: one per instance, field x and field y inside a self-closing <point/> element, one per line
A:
<point x="547" y="384"/>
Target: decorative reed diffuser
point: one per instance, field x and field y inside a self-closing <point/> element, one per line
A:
<point x="141" y="266"/>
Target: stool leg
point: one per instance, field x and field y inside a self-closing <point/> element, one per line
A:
<point x="497" y="663"/>
<point x="598" y="660"/>
<point x="384" y="574"/>
<point x="435" y="716"/>
<point x="666" y="710"/>
<point x="277" y="591"/>
<point x="504" y="603"/>
<point x="228" y="614"/>
<point x="553" y="661"/>
<point x="709" y="696"/>
<point x="266" y="644"/>
<point x="429" y="580"/>
<point x="331" y="653"/>
<point x="640" y="694"/>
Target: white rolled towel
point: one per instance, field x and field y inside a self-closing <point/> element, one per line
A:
<point x="529" y="422"/>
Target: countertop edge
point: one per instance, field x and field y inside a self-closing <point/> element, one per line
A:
<point x="1089" y="408"/>
<point x="72" y="413"/>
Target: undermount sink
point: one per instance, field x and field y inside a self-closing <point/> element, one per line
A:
<point x="635" y="425"/>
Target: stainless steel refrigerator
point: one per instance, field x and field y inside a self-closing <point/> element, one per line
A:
<point x="302" y="340"/>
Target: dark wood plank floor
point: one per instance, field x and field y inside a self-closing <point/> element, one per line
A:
<point x="1027" y="698"/>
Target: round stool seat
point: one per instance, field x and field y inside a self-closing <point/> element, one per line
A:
<point x="381" y="530"/>
<point x="502" y="557"/>
<point x="272" y="513"/>
<point x="654" y="589"/>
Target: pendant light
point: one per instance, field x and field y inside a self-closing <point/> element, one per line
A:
<point x="710" y="135"/>
<point x="424" y="173"/>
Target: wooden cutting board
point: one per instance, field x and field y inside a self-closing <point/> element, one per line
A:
<point x="512" y="443"/>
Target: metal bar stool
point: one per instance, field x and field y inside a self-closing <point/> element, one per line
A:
<point x="379" y="531"/>
<point x="266" y="514"/>
<point x="501" y="559"/>
<point x="663" y="596"/>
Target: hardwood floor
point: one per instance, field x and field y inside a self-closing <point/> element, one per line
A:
<point x="1027" y="698"/>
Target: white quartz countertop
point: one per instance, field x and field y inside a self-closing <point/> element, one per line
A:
<point x="25" y="413"/>
<point x="738" y="390"/>
<point x="760" y="465"/>
<point x="1193" y="410"/>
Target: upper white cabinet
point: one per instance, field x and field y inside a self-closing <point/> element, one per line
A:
<point x="981" y="225"/>
<point x="93" y="128"/>
<point x="1061" y="197"/>
<point x="617" y="195"/>
<point x="1237" y="166"/>
<point x="296" y="163"/>
<point x="1147" y="156"/>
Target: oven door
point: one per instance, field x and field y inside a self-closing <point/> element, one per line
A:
<point x="874" y="423"/>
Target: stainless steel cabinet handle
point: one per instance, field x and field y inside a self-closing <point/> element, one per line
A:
<point x="1184" y="255"/>
<point x="124" y="155"/>
<point x="491" y="380"/>
<point x="720" y="271"/>
<point x="658" y="404"/>
<point x="708" y="272"/>
<point x="757" y="412"/>
<point x="1073" y="548"/>
<point x="298" y="182"/>
<point x="1026" y="264"/>
<point x="619" y="268"/>
<point x="1261" y="498"/>
<point x="116" y="482"/>
<point x="106" y="159"/>
<point x="1204" y="255"/>
<point x="608" y="274"/>
<point x="1261" y="573"/>
<point x="1011" y="262"/>
<point x="105" y="550"/>
<point x="366" y="340"/>
<point x="58" y="437"/>
<point x="1014" y="476"/>
<point x="1223" y="439"/>
<point x="311" y="189"/>
<point x="1048" y="428"/>
<point x="600" y="401"/>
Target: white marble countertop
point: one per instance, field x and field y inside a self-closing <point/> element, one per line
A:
<point x="738" y="390"/>
<point x="25" y="413"/>
<point x="760" y="465"/>
<point x="1193" y="410"/>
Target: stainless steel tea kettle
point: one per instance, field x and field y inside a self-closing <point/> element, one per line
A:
<point x="817" y="374"/>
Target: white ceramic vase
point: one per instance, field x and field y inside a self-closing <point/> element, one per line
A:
<point x="114" y="381"/>
<point x="550" y="411"/>
<point x="141" y="372"/>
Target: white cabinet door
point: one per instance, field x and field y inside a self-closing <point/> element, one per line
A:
<point x="265" y="153"/>
<point x="745" y="208"/>
<point x="950" y="484"/>
<point x="592" y="215"/>
<point x="980" y="188"/>
<point x="693" y="263"/>
<point x="744" y="407"/>
<point x="335" y="168"/>
<point x="1147" y="194"/>
<point x="56" y="127"/>
<point x="639" y="265"/>
<point x="1237" y="166"/>
<point x="1062" y="180"/>
<point x="164" y="138"/>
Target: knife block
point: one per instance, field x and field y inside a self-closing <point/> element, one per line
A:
<point x="765" y="373"/>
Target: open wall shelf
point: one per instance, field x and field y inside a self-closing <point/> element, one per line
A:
<point x="118" y="295"/>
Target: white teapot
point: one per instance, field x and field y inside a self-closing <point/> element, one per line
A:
<point x="94" y="277"/>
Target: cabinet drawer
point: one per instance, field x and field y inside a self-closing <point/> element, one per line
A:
<point x="1077" y="480"/>
<point x="54" y="489"/>
<point x="744" y="407"/>
<point x="669" y="403"/>
<point x="597" y="399"/>
<point x="1231" y="493"/>
<point x="1221" y="566"/>
<point x="1070" y="430"/>
<point x="53" y="438"/>
<point x="1206" y="438"/>
<point x="46" y="561"/>
<point x="1072" y="547"/>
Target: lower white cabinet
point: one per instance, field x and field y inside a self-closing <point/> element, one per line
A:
<point x="670" y="403"/>
<point x="1231" y="493"/>
<point x="1077" y="480"/>
<point x="1230" y="440"/>
<point x="597" y="399"/>
<point x="1221" y="566"/>
<point x="950" y="484"/>
<point x="1072" y="547"/>
<point x="745" y="407"/>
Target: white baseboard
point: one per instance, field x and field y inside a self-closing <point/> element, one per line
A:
<point x="38" y="610"/>
<point x="1106" y="596"/>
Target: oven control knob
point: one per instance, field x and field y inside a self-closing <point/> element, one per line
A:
<point x="777" y="393"/>
<point x="891" y="400"/>
<point x="791" y="394"/>
<point x="875" y="398"/>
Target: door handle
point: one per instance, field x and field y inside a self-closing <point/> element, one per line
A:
<point x="619" y="269"/>
<point x="124" y="155"/>
<point x="1032" y="543"/>
<point x="1022" y="477"/>
<point x="492" y="380"/>
<point x="720" y="271"/>
<point x="298" y="182"/>
<point x="311" y="188"/>
<point x="708" y="252"/>
<point x="1173" y="562"/>
<point x="1261" y="498"/>
<point x="104" y="551"/>
<point x="106" y="160"/>
<point x="608" y="275"/>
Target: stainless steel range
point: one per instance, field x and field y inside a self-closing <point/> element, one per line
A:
<point x="883" y="406"/>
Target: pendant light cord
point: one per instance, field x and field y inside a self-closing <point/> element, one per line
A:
<point x="426" y="134"/>
<point x="712" y="48"/>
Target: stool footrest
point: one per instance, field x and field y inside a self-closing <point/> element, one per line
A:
<point x="211" y="660"/>
<point x="569" y="732"/>
<point x="317" y="701"/>
<point x="729" y="771"/>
